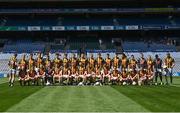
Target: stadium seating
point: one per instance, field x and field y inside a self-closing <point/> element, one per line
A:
<point x="143" y="47"/>
<point x="22" y="47"/>
<point x="83" y="21"/>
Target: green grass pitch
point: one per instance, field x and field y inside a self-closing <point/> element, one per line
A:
<point x="90" y="98"/>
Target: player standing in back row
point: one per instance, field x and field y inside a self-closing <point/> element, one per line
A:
<point x="13" y="66"/>
<point x="169" y="64"/>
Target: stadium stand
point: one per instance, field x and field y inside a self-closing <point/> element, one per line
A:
<point x="23" y="47"/>
<point x="84" y="21"/>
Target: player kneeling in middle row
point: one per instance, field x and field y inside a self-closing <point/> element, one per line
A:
<point x="124" y="77"/>
<point x="115" y="76"/>
<point x="142" y="77"/>
<point x="133" y="77"/>
<point x="57" y="75"/>
<point x="98" y="76"/>
<point x="106" y="75"/>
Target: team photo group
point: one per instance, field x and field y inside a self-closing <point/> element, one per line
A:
<point x="119" y="70"/>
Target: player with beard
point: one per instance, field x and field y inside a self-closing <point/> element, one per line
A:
<point x="13" y="66"/>
<point x="158" y="69"/>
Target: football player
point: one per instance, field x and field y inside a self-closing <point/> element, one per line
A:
<point x="83" y="60"/>
<point x="109" y="62"/>
<point x="57" y="61"/>
<point x="124" y="77"/>
<point x="124" y="62"/>
<point x="22" y="71"/>
<point x="56" y="74"/>
<point x="133" y="77"/>
<point x="158" y="69"/>
<point x="31" y="76"/>
<point x="115" y="76"/>
<point x="106" y="74"/>
<point x="169" y="64"/>
<point x="13" y="66"/>
<point x="48" y="71"/>
<point x="38" y="63"/>
<point x="99" y="61"/>
<point x="116" y="61"/>
<point x="142" y="62"/>
<point x="150" y="64"/>
<point x="132" y="64"/>
<point x="81" y="76"/>
<point x="142" y="77"/>
<point x="92" y="62"/>
<point x="98" y="74"/>
<point x="41" y="75"/>
<point x="31" y="63"/>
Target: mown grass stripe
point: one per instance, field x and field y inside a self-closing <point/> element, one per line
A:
<point x="10" y="96"/>
<point x="77" y="99"/>
<point x="154" y="98"/>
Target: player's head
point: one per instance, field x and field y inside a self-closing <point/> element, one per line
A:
<point x="99" y="54"/>
<point x="149" y="57"/>
<point x="39" y="55"/>
<point x="23" y="56"/>
<point x="73" y="55"/>
<point x="31" y="56"/>
<point x="65" y="55"/>
<point x="92" y="55"/>
<point x="156" y="56"/>
<point x="15" y="55"/>
<point x="82" y="55"/>
<point x="116" y="55"/>
<point x="47" y="57"/>
<point x="132" y="56"/>
<point x="142" y="55"/>
<point x="57" y="55"/>
<point x="108" y="55"/>
<point x="168" y="55"/>
<point x="123" y="55"/>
